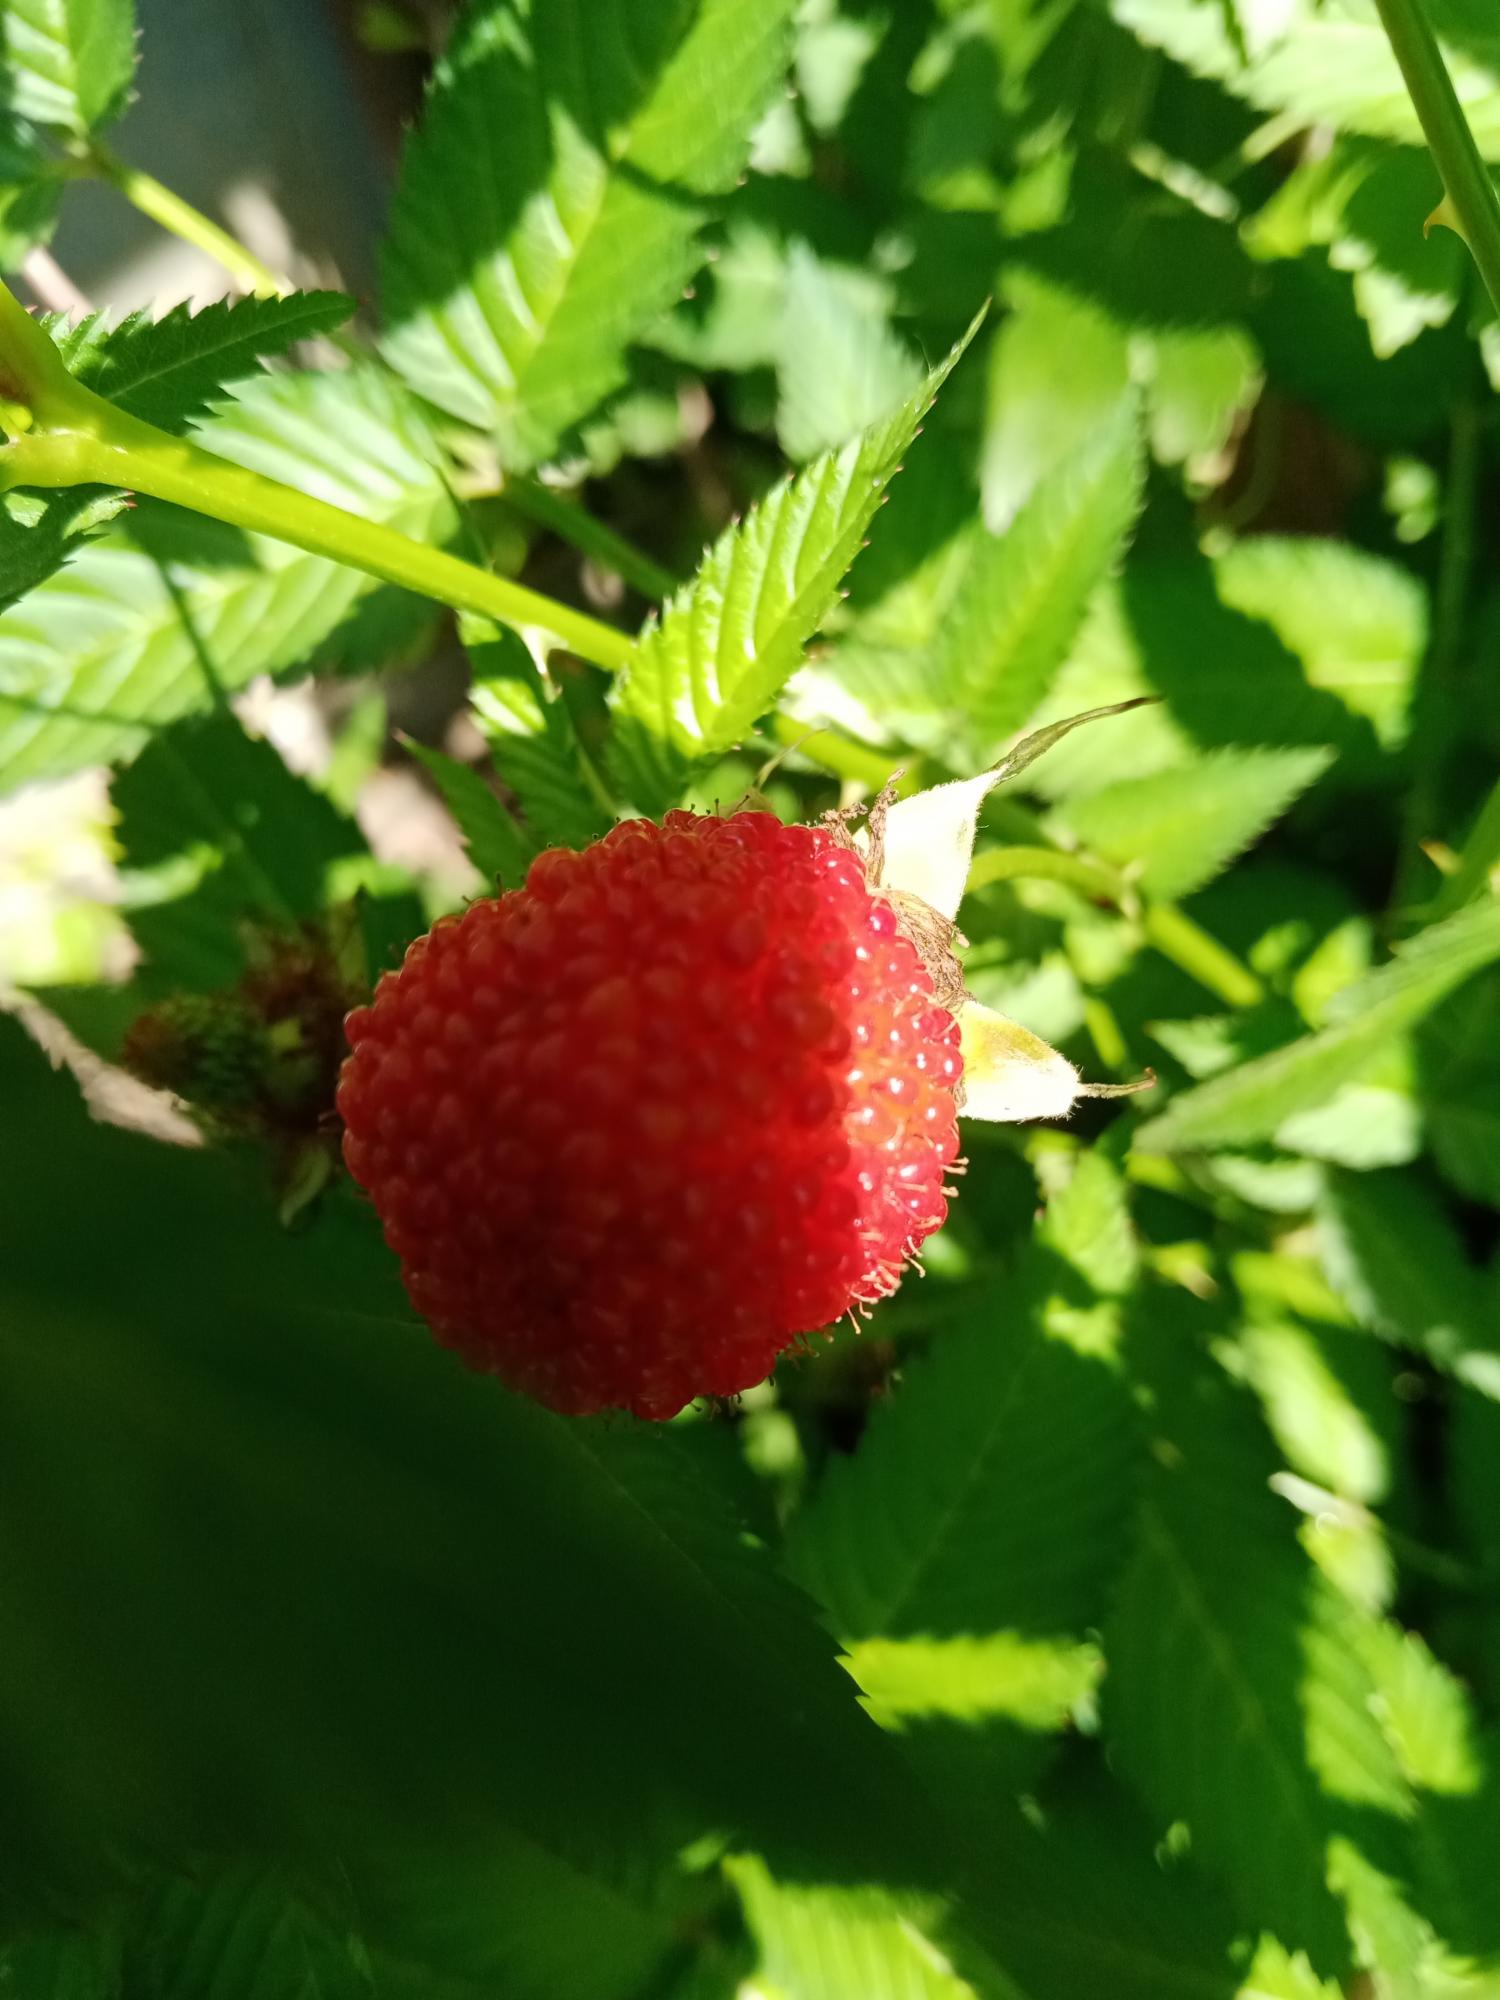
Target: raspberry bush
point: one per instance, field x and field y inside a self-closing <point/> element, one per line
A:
<point x="695" y="1302"/>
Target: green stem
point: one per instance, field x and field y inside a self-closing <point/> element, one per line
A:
<point x="1470" y="189"/>
<point x="576" y="526"/>
<point x="1189" y="947"/>
<point x="1479" y="860"/>
<point x="90" y="442"/>
<point x="1193" y="951"/>
<point x="185" y="222"/>
<point x="34" y="378"/>
<point x="1435" y="708"/>
<point x="1094" y="879"/>
<point x="1105" y="1033"/>
<point x="842" y="755"/>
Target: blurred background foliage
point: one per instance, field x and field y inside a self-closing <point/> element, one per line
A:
<point x="1118" y="1614"/>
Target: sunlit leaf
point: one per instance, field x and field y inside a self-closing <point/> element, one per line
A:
<point x="727" y="642"/>
<point x="1331" y="66"/>
<point x="68" y="63"/>
<point x="550" y="200"/>
<point x="1176" y="830"/>
<point x="839" y="367"/>
<point x="1253" y="1100"/>
<point x="173" y="613"/>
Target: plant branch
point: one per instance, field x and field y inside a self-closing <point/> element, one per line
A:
<point x="1189" y="947"/>
<point x="136" y="456"/>
<point x="180" y="219"/>
<point x="1466" y="179"/>
<point x="50" y="284"/>
<point x="65" y="435"/>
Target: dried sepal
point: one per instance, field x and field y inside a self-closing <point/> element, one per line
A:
<point x="918" y="850"/>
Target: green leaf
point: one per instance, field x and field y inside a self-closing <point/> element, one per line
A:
<point x="1366" y="204"/>
<point x="969" y="1542"/>
<point x="1202" y="380"/>
<point x="1228" y="680"/>
<point x="320" y="1584"/>
<point x="1033" y="1682"/>
<point x="167" y="371"/>
<point x="991" y="1493"/>
<point x="530" y="1914"/>
<point x="733" y="318"/>
<point x="1357" y="624"/>
<point x="1423" y="1712"/>
<point x="68" y="63"/>
<point x="169" y="616"/>
<point x="1457" y="1836"/>
<point x="550" y="202"/>
<point x="239" y="1935"/>
<point x="1085" y="1900"/>
<point x="1458" y="1065"/>
<point x="1176" y="830"/>
<point x="839" y="1944"/>
<point x="1327" y="66"/>
<point x="40" y="531"/>
<point x="1392" y="1253"/>
<point x="249" y="841"/>
<point x="1327" y="1402"/>
<point x="728" y="642"/>
<point x="1016" y="612"/>
<point x="31" y="192"/>
<point x="496" y="844"/>
<point x="63" y="1965"/>
<point x="1037" y="415"/>
<point x="1253" y="1100"/>
<point x="839" y="367"/>
<point x="1233" y="1702"/>
<point x="1278" y="1974"/>
<point x="1152" y="248"/>
<point x="1376" y="1121"/>
<point x="523" y="719"/>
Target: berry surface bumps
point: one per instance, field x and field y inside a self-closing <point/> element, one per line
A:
<point x="638" y="1126"/>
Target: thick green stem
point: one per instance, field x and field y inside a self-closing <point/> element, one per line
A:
<point x="34" y="379"/>
<point x="1466" y="178"/>
<point x="103" y="446"/>
<point x="180" y="219"/>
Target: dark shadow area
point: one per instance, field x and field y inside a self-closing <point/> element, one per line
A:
<point x="281" y="1572"/>
<point x="1228" y="679"/>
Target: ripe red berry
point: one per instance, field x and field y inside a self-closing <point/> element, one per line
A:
<point x="634" y="1128"/>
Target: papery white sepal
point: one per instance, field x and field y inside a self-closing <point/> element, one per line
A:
<point x="923" y="845"/>
<point x="1010" y="1074"/>
<point x="927" y="842"/>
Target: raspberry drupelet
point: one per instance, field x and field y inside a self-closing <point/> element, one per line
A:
<point x="638" y="1126"/>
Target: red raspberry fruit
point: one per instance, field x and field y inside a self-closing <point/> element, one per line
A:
<point x="634" y="1128"/>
